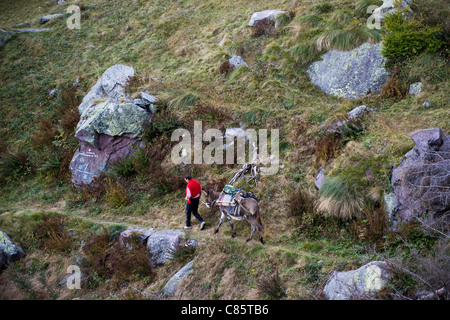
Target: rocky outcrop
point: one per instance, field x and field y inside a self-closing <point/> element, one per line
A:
<point x="109" y="126"/>
<point x="421" y="182"/>
<point x="350" y="74"/>
<point x="160" y="245"/>
<point x="267" y="14"/>
<point x="9" y="252"/>
<point x="362" y="283"/>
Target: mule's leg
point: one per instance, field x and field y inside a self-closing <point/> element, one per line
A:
<point x="233" y="232"/>
<point x="222" y="217"/>
<point x="255" y="226"/>
<point x="251" y="234"/>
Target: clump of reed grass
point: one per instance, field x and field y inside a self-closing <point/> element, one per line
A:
<point x="340" y="199"/>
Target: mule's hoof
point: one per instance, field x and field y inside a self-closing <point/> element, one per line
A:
<point x="215" y="231"/>
<point x="248" y="240"/>
<point x="262" y="241"/>
<point x="233" y="236"/>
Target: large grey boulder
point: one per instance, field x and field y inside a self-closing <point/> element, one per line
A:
<point x="171" y="285"/>
<point x="267" y="14"/>
<point x="421" y="182"/>
<point x="112" y="119"/>
<point x="9" y="252"/>
<point x="362" y="283"/>
<point x="350" y="74"/>
<point x="161" y="244"/>
<point x="109" y="126"/>
<point x="111" y="86"/>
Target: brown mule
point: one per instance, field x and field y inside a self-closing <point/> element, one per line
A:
<point x="249" y="211"/>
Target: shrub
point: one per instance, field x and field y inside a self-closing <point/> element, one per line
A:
<point x="263" y="27"/>
<point x="327" y="148"/>
<point x="44" y="134"/>
<point x="123" y="167"/>
<point x="116" y="194"/>
<point x="52" y="235"/>
<point x="339" y="199"/>
<point x="14" y="164"/>
<point x="393" y="89"/>
<point x="163" y="122"/>
<point x="225" y="68"/>
<point x="405" y="37"/>
<point x="271" y="287"/>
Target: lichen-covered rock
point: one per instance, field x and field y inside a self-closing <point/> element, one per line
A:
<point x="267" y="14"/>
<point x="111" y="86"/>
<point x="361" y="283"/>
<point x="160" y="244"/>
<point x="421" y="181"/>
<point x="9" y="252"/>
<point x="237" y="61"/>
<point x="109" y="126"/>
<point x="350" y="74"/>
<point x="415" y="88"/>
<point x="113" y="119"/>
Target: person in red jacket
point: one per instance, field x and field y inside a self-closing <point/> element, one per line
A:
<point x="193" y="193"/>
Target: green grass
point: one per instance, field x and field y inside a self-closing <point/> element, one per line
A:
<point x="174" y="49"/>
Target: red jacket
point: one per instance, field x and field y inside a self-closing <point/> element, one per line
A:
<point x="193" y="189"/>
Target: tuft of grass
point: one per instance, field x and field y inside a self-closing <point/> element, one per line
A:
<point x="339" y="199"/>
<point x="183" y="101"/>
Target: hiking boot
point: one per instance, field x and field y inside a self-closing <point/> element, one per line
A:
<point x="187" y="227"/>
<point x="202" y="225"/>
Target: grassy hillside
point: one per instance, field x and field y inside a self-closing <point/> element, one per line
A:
<point x="177" y="49"/>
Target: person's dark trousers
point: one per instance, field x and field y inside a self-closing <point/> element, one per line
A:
<point x="192" y="208"/>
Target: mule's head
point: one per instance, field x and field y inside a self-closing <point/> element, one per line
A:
<point x="211" y="197"/>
